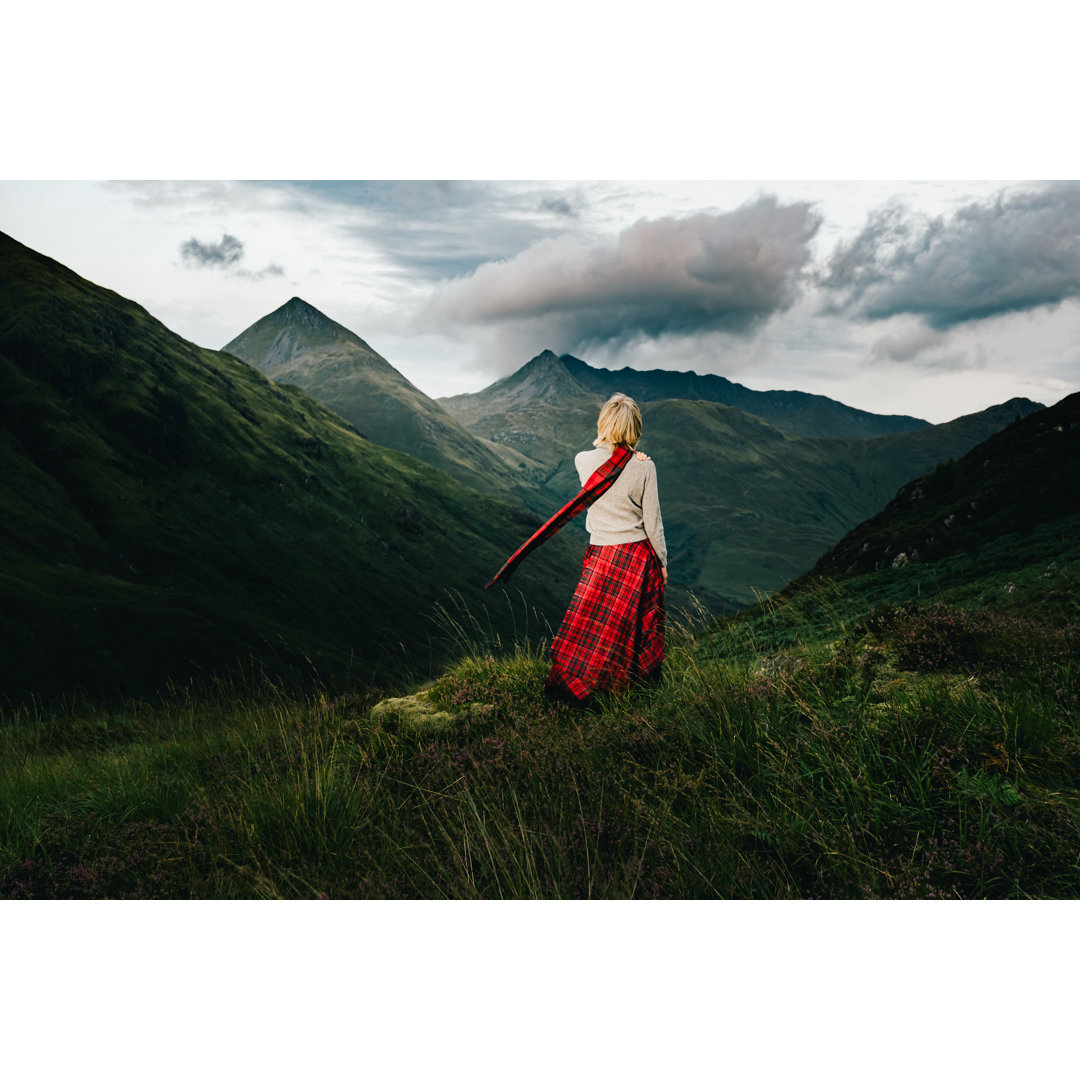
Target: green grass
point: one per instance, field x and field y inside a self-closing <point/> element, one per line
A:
<point x="912" y="751"/>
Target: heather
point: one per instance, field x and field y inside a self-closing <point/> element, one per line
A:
<point x="816" y="747"/>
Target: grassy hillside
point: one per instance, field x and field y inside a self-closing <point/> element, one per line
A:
<point x="778" y="759"/>
<point x="165" y="512"/>
<point x="748" y="508"/>
<point x="300" y="346"/>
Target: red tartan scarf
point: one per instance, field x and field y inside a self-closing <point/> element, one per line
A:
<point x="594" y="487"/>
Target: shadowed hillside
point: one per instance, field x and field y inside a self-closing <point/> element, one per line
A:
<point x="165" y="511"/>
<point x="1017" y="481"/>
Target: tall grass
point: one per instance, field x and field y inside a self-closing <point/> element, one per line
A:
<point x="799" y="751"/>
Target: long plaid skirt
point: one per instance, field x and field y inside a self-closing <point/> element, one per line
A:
<point x="613" y="632"/>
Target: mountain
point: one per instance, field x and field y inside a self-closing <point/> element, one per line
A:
<point x="1024" y="479"/>
<point x="297" y="344"/>
<point x="292" y="330"/>
<point x="493" y="411"/>
<point x="167" y="512"/>
<point x="747" y="506"/>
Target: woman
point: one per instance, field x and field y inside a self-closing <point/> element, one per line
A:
<point x="613" y="632"/>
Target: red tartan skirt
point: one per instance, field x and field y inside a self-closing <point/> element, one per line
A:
<point x="613" y="632"/>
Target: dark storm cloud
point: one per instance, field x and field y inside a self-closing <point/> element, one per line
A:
<point x="668" y="276"/>
<point x="441" y="229"/>
<point x="557" y="204"/>
<point x="1017" y="252"/>
<point x="225" y="255"/>
<point x="226" y="252"/>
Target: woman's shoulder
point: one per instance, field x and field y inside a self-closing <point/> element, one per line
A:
<point x="586" y="457"/>
<point x="593" y="459"/>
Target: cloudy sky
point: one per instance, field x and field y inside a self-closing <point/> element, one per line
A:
<point x="928" y="298"/>
<point x="931" y="297"/>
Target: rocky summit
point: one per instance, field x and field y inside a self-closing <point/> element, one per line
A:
<point x="293" y="329"/>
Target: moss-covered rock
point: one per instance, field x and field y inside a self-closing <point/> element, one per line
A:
<point x="416" y="710"/>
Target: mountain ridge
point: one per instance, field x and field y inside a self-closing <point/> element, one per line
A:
<point x="794" y="411"/>
<point x="288" y="331"/>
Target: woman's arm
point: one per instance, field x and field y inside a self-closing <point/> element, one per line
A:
<point x="654" y="523"/>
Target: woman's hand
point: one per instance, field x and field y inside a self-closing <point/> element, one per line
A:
<point x="641" y="457"/>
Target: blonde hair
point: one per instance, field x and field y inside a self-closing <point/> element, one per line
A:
<point x="619" y="423"/>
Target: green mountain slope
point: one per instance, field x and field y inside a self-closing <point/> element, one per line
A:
<point x="493" y="411"/>
<point x="1017" y="482"/>
<point x="747" y="506"/>
<point x="299" y="345"/>
<point x="165" y="511"/>
<point x="974" y="566"/>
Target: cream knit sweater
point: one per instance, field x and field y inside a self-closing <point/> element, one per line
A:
<point x="630" y="509"/>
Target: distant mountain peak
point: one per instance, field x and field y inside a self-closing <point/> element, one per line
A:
<point x="299" y="304"/>
<point x="288" y="331"/>
<point x="544" y="374"/>
<point x="1021" y="406"/>
<point x="546" y="361"/>
<point x="298" y="310"/>
<point x="565" y="380"/>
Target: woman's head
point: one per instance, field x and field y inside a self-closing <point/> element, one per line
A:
<point x="619" y="423"/>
